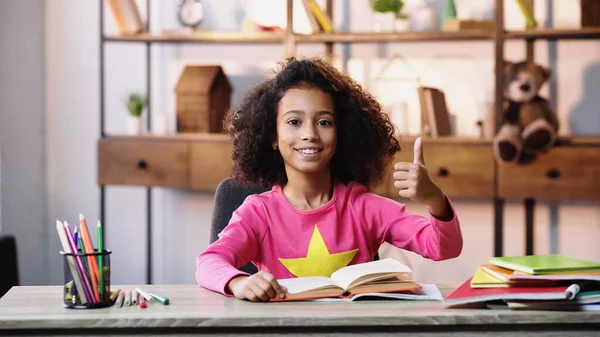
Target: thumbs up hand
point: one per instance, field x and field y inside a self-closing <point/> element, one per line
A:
<point x="413" y="181"/>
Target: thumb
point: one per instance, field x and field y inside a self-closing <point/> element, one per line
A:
<point x="419" y="152"/>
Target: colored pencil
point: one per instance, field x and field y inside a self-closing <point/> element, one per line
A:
<point x="87" y="287"/>
<point x="100" y="260"/>
<point x="89" y="249"/>
<point x="70" y="261"/>
<point x="89" y="271"/>
<point x="114" y="294"/>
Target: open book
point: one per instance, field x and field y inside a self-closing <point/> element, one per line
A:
<point x="383" y="276"/>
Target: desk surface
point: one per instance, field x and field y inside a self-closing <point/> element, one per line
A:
<point x="40" y="310"/>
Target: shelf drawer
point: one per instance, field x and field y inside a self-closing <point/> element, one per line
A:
<point x="461" y="170"/>
<point x="564" y="173"/>
<point x="210" y="164"/>
<point x="143" y="162"/>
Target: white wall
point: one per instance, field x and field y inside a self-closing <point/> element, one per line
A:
<point x="22" y="135"/>
<point x="181" y="219"/>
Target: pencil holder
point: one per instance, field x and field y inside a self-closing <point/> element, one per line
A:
<point x="86" y="280"/>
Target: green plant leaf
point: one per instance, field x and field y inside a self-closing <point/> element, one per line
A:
<point x="385" y="6"/>
<point x="135" y="103"/>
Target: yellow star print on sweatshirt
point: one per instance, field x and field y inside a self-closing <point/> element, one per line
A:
<point x="318" y="260"/>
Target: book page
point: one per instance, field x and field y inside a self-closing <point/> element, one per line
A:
<point x="428" y="292"/>
<point x="344" y="277"/>
<point x="302" y="284"/>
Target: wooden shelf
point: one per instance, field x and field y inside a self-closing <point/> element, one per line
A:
<point x="179" y="161"/>
<point x="368" y="37"/>
<point x="223" y="137"/>
<point x="555" y="34"/>
<point x="204" y="37"/>
<point x="217" y="137"/>
<point x="355" y="37"/>
<point x="578" y="141"/>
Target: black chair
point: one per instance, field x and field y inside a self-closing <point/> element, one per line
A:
<point x="228" y="198"/>
<point x="8" y="263"/>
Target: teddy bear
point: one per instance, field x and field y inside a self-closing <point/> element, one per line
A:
<point x="527" y="126"/>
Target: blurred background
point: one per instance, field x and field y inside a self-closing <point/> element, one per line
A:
<point x="50" y="101"/>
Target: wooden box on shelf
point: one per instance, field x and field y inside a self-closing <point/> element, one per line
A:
<point x="210" y="163"/>
<point x="203" y="95"/>
<point x="143" y="161"/>
<point x="461" y="166"/>
<point x="563" y="173"/>
<point x="590" y="13"/>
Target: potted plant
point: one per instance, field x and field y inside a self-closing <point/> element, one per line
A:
<point x="136" y="102"/>
<point x="390" y="10"/>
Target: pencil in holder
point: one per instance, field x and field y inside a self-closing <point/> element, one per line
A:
<point x="86" y="280"/>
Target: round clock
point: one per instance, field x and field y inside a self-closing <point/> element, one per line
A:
<point x="191" y="12"/>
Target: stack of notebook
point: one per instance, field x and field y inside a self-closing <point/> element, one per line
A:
<point x="538" y="282"/>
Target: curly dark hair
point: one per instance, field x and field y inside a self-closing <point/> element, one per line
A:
<point x="366" y="141"/>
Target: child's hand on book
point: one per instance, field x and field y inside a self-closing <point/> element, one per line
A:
<point x="258" y="287"/>
<point x="414" y="182"/>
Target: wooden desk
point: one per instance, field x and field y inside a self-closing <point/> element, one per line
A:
<point x="38" y="311"/>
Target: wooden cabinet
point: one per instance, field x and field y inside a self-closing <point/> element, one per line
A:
<point x="210" y="164"/>
<point x="143" y="162"/>
<point x="460" y="168"/>
<point x="564" y="173"/>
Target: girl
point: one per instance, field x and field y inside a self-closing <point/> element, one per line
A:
<point x="320" y="141"/>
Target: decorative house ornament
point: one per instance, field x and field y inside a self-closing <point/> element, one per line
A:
<point x="203" y="96"/>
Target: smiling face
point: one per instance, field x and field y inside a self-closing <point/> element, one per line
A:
<point x="306" y="131"/>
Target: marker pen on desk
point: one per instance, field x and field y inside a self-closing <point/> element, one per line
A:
<point x="127" y="300"/>
<point x="114" y="295"/>
<point x="145" y="295"/>
<point x="119" y="301"/>
<point x="134" y="297"/>
<point x="160" y="299"/>
<point x="142" y="301"/>
<point x="572" y="291"/>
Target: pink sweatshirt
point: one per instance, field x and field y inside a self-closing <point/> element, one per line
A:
<point x="286" y="242"/>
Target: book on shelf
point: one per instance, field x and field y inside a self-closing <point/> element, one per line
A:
<point x="321" y="17"/>
<point x="385" y="278"/>
<point x="435" y="118"/>
<point x="127" y="16"/>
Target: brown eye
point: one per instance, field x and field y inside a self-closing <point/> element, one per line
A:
<point x="294" y="122"/>
<point x="324" y="122"/>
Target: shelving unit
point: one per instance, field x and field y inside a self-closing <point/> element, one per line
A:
<point x="135" y="161"/>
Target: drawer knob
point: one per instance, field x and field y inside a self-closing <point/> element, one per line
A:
<point x="142" y="164"/>
<point x="553" y="173"/>
<point x="443" y="172"/>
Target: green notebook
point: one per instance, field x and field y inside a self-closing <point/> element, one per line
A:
<point x="545" y="264"/>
